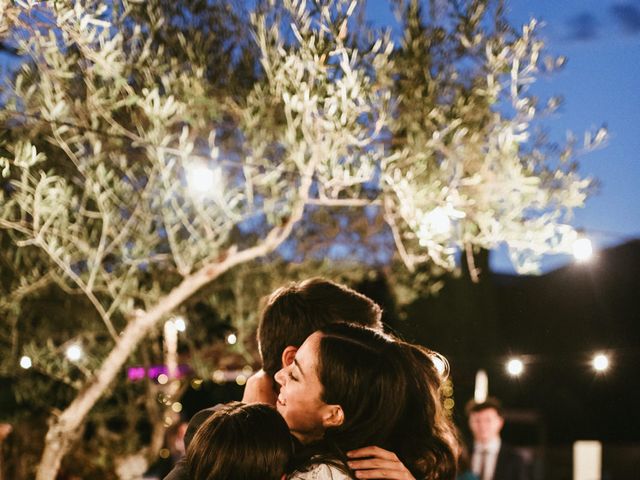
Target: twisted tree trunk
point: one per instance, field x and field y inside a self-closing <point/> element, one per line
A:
<point x="64" y="428"/>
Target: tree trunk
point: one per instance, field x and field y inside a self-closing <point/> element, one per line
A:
<point x="64" y="428"/>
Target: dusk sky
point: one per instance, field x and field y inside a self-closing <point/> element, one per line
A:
<point x="601" y="39"/>
<point x="600" y="83"/>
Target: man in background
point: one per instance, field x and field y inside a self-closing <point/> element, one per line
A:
<point x="491" y="459"/>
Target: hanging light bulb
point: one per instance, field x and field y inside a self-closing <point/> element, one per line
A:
<point x="600" y="362"/>
<point x="582" y="249"/>
<point x="74" y="352"/>
<point x="203" y="180"/>
<point x="515" y="367"/>
<point x="25" y="362"/>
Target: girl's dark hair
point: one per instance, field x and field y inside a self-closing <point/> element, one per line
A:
<point x="389" y="391"/>
<point x="243" y="442"/>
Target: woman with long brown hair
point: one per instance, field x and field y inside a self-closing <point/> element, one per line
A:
<point x="350" y="387"/>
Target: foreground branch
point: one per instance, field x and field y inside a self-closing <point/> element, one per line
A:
<point x="65" y="428"/>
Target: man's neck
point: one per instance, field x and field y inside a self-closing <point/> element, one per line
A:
<point x="260" y="389"/>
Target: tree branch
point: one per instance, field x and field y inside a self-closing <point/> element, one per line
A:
<point x="38" y="241"/>
<point x="397" y="237"/>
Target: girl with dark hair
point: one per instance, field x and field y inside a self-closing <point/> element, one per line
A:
<point x="241" y="442"/>
<point x="350" y="387"/>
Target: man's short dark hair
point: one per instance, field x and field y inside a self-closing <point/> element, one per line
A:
<point x="490" y="402"/>
<point x="295" y="311"/>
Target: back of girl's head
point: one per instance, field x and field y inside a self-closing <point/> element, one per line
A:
<point x="360" y="371"/>
<point x="243" y="442"/>
<point x="389" y="391"/>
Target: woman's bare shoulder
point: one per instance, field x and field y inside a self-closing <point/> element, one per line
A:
<point x="322" y="471"/>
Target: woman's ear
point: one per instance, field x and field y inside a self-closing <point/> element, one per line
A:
<point x="288" y="355"/>
<point x="332" y="416"/>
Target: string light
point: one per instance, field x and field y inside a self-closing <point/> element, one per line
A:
<point x="25" y="362"/>
<point x="232" y="339"/>
<point x="74" y="352"/>
<point x="582" y="249"/>
<point x="600" y="362"/>
<point x="218" y="376"/>
<point x="515" y="367"/>
<point x="201" y="179"/>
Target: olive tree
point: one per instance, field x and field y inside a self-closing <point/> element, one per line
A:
<point x="151" y="147"/>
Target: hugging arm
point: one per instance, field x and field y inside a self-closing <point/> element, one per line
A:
<point x="376" y="462"/>
<point x="259" y="389"/>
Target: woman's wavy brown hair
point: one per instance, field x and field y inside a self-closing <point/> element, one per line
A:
<point x="389" y="391"/>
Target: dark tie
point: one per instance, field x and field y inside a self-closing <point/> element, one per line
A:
<point x="483" y="463"/>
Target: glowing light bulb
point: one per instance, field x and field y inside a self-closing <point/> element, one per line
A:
<point x="201" y="179"/>
<point x="582" y="249"/>
<point x="218" y="376"/>
<point x="600" y="362"/>
<point x="25" y="362"/>
<point x="232" y="339"/>
<point x="515" y="367"/>
<point x="74" y="353"/>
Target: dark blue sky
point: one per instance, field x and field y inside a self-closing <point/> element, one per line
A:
<point x="600" y="85"/>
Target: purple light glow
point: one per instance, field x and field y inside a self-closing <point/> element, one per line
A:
<point x="139" y="372"/>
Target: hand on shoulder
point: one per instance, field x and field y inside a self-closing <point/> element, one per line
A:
<point x="376" y="462"/>
<point x="259" y="389"/>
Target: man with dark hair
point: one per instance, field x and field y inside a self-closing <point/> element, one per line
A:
<point x="294" y="312"/>
<point x="290" y="314"/>
<point x="492" y="459"/>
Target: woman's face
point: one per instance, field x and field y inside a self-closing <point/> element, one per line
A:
<point x="299" y="401"/>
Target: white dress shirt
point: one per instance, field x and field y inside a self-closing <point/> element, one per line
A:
<point x="490" y="451"/>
